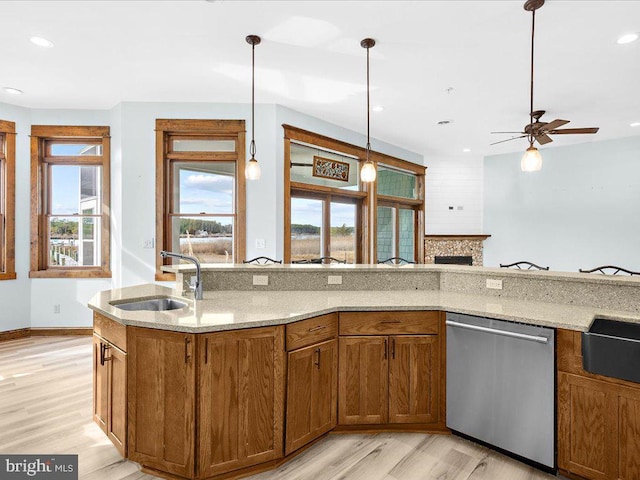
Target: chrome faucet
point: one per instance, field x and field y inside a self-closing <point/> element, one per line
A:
<point x="197" y="288"/>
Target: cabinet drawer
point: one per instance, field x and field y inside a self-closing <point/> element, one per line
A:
<point x="391" y="323"/>
<point x="110" y="330"/>
<point x="314" y="330"/>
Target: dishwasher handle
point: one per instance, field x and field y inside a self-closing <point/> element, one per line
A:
<point x="505" y="333"/>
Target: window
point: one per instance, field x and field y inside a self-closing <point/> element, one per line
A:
<point x="330" y="213"/>
<point x="70" y="201"/>
<point x="400" y="212"/>
<point x="7" y="200"/>
<point x="200" y="190"/>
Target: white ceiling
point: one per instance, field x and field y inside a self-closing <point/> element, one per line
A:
<point x="310" y="60"/>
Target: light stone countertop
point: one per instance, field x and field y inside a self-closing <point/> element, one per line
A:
<point x="230" y="310"/>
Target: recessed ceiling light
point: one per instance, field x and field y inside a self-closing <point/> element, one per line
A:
<point x="13" y="91"/>
<point x="378" y="108"/>
<point x="634" y="124"/>
<point x="628" y="38"/>
<point x="41" y="42"/>
<point x="466" y="150"/>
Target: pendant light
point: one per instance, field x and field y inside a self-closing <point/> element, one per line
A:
<point x="532" y="160"/>
<point x="252" y="170"/>
<point x="368" y="171"/>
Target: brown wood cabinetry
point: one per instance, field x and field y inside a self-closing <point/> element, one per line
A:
<point x="598" y="418"/>
<point x="312" y="393"/>
<point x="241" y="399"/>
<point x="110" y="387"/>
<point x="161" y="403"/>
<point x="390" y="379"/>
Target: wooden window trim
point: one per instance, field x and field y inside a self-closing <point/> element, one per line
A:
<point x="7" y="262"/>
<point x="40" y="135"/>
<point x="170" y="129"/>
<point x="367" y="214"/>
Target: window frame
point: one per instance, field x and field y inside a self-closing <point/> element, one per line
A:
<point x="168" y="130"/>
<point x="8" y="200"/>
<point x="42" y="136"/>
<point x="366" y="251"/>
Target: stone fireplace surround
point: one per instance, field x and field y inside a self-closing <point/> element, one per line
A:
<point x="454" y="245"/>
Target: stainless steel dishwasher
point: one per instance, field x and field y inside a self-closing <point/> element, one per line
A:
<point x="501" y="385"/>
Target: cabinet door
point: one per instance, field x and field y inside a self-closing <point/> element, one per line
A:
<point x="241" y="399"/>
<point x="117" y="421"/>
<point x="161" y="391"/>
<point x="363" y="380"/>
<point x="100" y="385"/>
<point x="629" y="427"/>
<point x="587" y="427"/>
<point x="312" y="392"/>
<point x="414" y="379"/>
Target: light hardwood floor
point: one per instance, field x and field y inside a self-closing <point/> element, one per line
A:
<point x="45" y="407"/>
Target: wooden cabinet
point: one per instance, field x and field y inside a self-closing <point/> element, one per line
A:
<point x="312" y="387"/>
<point x="390" y="379"/>
<point x="161" y="403"/>
<point x="110" y="385"/>
<point x="241" y="399"/>
<point x="598" y="419"/>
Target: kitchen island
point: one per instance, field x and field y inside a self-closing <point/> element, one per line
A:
<point x="250" y="375"/>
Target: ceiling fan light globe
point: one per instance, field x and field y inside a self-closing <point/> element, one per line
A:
<point x="252" y="170"/>
<point x="368" y="172"/>
<point x="531" y="160"/>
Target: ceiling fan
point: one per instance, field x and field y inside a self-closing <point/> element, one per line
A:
<point x="537" y="131"/>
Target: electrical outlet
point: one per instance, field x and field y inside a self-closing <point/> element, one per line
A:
<point x="334" y="280"/>
<point x="261" y="243"/>
<point x="261" y="279"/>
<point x="494" y="284"/>
<point x="149" y="243"/>
<point x="56" y="308"/>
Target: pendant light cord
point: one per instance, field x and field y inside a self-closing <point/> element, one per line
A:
<point x="533" y="30"/>
<point x="252" y="146"/>
<point x="368" y="109"/>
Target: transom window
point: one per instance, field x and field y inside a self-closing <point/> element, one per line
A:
<point x="7" y="200"/>
<point x="200" y="190"/>
<point x="70" y="206"/>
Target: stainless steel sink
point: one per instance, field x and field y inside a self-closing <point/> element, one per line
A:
<point x="152" y="304"/>
<point x="612" y="348"/>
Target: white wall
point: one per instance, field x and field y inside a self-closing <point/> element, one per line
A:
<point x="15" y="306"/>
<point x="454" y="182"/>
<point x="30" y="302"/>
<point x="580" y="211"/>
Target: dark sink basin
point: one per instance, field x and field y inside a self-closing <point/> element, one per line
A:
<point x="152" y="304"/>
<point x="612" y="348"/>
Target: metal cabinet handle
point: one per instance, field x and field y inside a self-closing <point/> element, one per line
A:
<point x="104" y="355"/>
<point x="187" y="355"/>
<point x="385" y="348"/>
<point x="206" y="350"/>
<point x="101" y="353"/>
<point x="319" y="327"/>
<point x="393" y="348"/>
<point x="317" y="362"/>
<point x="504" y="333"/>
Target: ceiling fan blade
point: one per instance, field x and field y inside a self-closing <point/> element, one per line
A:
<point x="570" y="131"/>
<point x="555" y="124"/>
<point x="543" y="139"/>
<point x="507" y="140"/>
<point x="521" y="133"/>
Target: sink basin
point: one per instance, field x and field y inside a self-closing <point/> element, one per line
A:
<point x="612" y="348"/>
<point x="152" y="304"/>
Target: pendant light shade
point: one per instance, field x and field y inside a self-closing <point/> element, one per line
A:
<point x="368" y="170"/>
<point x="252" y="169"/>
<point x="531" y="160"/>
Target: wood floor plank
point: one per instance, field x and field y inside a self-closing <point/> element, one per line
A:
<point x="45" y="407"/>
